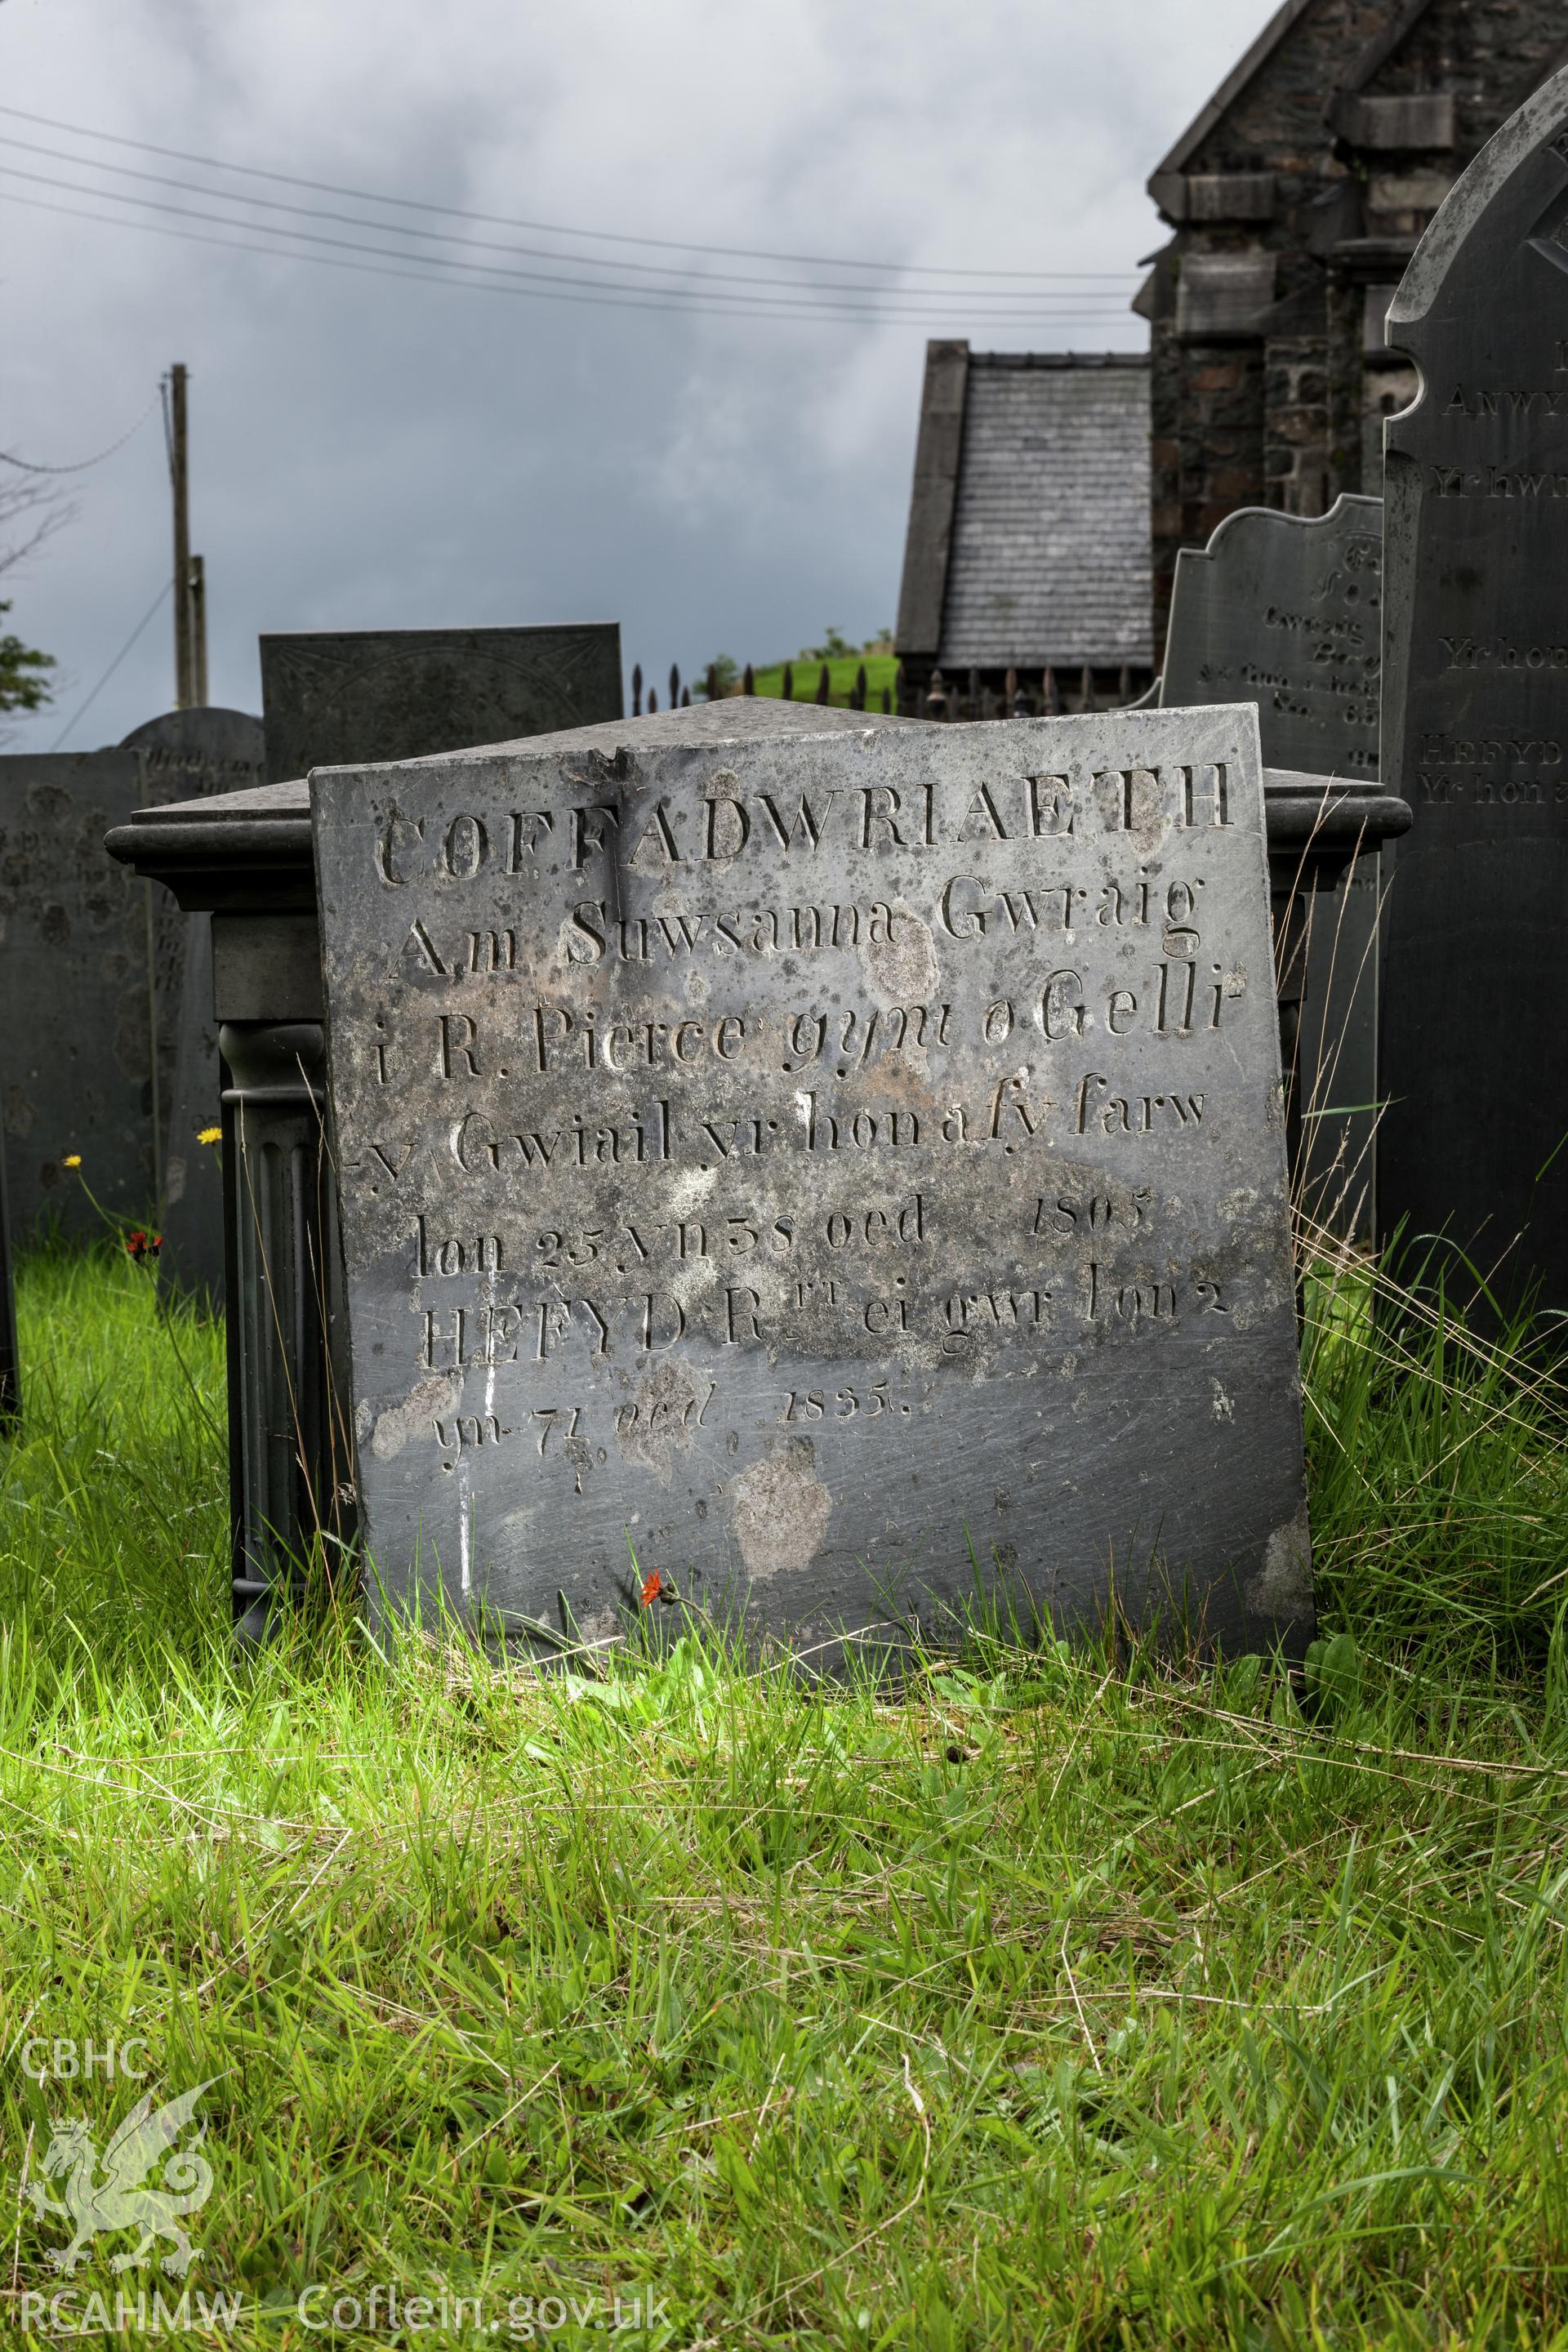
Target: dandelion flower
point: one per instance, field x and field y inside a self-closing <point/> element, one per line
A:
<point x="71" y="1159"/>
<point x="205" y="1134"/>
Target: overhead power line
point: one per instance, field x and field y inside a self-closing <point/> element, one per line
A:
<point x="704" y="278"/>
<point x="430" y="277"/>
<point x="492" y="278"/>
<point x="551" y="229"/>
<point x="26" y="466"/>
<point x="82" y="707"/>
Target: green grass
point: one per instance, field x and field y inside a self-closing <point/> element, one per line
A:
<point x="881" y="670"/>
<point x="1064" y="2001"/>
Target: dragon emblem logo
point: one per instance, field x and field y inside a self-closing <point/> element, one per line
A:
<point x="119" y="2201"/>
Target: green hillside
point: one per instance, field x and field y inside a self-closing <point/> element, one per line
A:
<point x="881" y="670"/>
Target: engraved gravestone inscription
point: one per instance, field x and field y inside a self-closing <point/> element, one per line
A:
<point x="1287" y="612"/>
<point x="190" y="755"/>
<point x="816" y="1171"/>
<point x="1475" y="1066"/>
<point x="331" y="697"/>
<point x="75" y="939"/>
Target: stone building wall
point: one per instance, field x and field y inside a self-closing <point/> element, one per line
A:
<point x="1295" y="200"/>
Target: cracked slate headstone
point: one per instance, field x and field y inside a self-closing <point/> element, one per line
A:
<point x="1287" y="612"/>
<point x="820" y="1167"/>
<point x="332" y="696"/>
<point x="1474" y="723"/>
<point x="190" y="755"/>
<point x="76" y="980"/>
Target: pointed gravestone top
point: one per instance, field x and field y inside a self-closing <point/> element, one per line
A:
<point x="1475" y="715"/>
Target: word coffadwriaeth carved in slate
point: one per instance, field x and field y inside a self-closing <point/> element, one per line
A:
<point x="818" y="1171"/>
<point x="1288" y="610"/>
<point x="76" y="980"/>
<point x="332" y="695"/>
<point x="1475" y="1066"/>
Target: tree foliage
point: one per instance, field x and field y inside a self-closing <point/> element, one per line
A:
<point x="22" y="684"/>
<point x="30" y="512"/>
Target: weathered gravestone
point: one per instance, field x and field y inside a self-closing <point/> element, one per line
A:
<point x="1475" y="1065"/>
<point x="189" y="755"/>
<point x="10" y="1360"/>
<point x="1288" y="611"/>
<point x="818" y="1170"/>
<point x="192" y="755"/>
<point x="76" y="980"/>
<point x="398" y="694"/>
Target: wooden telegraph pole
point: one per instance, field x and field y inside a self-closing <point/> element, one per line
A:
<point x="190" y="580"/>
<point x="179" y="476"/>
<point x="198" y="632"/>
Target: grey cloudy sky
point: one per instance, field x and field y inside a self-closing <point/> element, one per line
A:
<point x="369" y="451"/>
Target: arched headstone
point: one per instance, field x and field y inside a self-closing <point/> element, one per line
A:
<point x="1475" y="717"/>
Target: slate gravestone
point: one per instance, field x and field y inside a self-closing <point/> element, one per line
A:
<point x="1476" y="716"/>
<point x="76" y="940"/>
<point x="10" y="1360"/>
<point x="190" y="755"/>
<point x="1289" y="610"/>
<point x="398" y="694"/>
<point x="808" y="1165"/>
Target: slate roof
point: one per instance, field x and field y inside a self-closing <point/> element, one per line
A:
<point x="1049" y="559"/>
